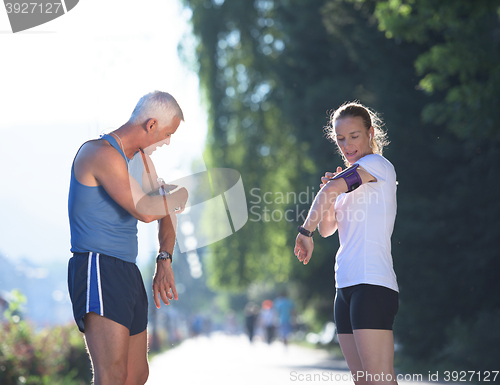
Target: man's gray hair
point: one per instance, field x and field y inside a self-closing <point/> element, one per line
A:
<point x="158" y="105"/>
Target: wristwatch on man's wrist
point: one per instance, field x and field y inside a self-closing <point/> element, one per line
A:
<point x="163" y="255"/>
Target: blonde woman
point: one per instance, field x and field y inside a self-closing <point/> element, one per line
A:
<point x="361" y="205"/>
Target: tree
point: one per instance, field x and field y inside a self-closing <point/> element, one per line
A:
<point x="271" y="72"/>
<point x="462" y="63"/>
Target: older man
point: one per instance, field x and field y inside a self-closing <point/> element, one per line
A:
<point x="113" y="185"/>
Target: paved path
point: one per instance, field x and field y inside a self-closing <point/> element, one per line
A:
<point x="231" y="360"/>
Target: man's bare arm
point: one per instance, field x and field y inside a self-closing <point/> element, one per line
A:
<point x="105" y="166"/>
<point x="167" y="232"/>
<point x="163" y="279"/>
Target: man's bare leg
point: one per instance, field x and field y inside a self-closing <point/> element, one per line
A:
<point x="109" y="344"/>
<point x="137" y="366"/>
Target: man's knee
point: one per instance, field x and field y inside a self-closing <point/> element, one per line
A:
<point x="115" y="373"/>
<point x="143" y="375"/>
<point x="139" y="374"/>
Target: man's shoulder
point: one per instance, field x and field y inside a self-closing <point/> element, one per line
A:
<point x="100" y="150"/>
<point x="96" y="144"/>
<point x="94" y="158"/>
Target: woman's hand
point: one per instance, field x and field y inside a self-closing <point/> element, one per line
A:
<point x="303" y="248"/>
<point x="328" y="176"/>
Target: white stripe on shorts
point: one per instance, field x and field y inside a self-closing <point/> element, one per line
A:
<point x="89" y="282"/>
<point x="89" y="265"/>
<point x="99" y="288"/>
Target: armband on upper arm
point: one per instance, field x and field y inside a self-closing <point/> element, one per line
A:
<point x="351" y="177"/>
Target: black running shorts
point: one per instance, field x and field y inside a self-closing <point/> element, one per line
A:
<point x="365" y="307"/>
<point x="109" y="287"/>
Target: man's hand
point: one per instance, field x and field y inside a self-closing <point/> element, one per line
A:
<point x="164" y="283"/>
<point x="303" y="248"/>
<point x="169" y="187"/>
<point x="181" y="196"/>
<point x="180" y="193"/>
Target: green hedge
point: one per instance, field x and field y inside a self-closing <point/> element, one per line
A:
<point x="49" y="356"/>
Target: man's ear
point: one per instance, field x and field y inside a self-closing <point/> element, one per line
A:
<point x="151" y="123"/>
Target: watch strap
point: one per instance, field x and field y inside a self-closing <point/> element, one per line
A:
<point x="305" y="232"/>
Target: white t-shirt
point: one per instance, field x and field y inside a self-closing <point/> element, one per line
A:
<point x="365" y="219"/>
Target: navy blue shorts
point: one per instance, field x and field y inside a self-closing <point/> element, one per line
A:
<point x="109" y="287"/>
<point x="365" y="307"/>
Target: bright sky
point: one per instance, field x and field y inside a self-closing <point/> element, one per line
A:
<point x="69" y="80"/>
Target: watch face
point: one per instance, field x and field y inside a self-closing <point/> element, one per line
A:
<point x="164" y="255"/>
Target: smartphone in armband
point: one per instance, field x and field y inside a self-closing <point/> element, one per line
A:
<point x="351" y="177"/>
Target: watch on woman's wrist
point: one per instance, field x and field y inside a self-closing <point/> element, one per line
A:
<point x="164" y="255"/>
<point x="305" y="232"/>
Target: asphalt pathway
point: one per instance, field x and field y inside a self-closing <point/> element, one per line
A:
<point x="228" y="360"/>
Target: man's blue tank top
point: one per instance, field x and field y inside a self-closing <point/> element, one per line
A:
<point x="99" y="224"/>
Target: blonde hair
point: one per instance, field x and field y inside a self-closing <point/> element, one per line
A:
<point x="370" y="119"/>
